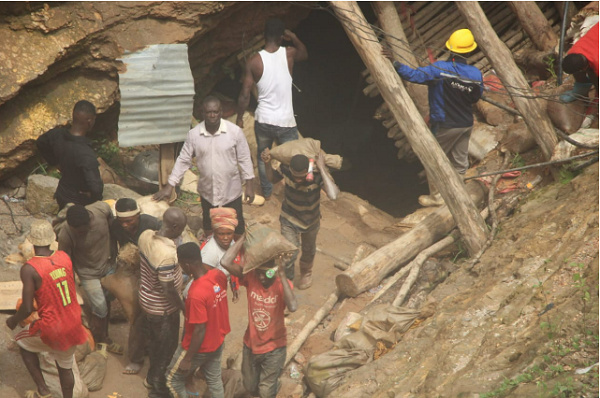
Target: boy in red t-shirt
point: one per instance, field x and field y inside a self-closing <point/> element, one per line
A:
<point x="48" y="277"/>
<point x="268" y="292"/>
<point x="206" y="325"/>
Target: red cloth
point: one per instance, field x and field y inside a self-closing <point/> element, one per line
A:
<point x="235" y="282"/>
<point x="588" y="47"/>
<point x="266" y="325"/>
<point x="60" y="315"/>
<point x="207" y="303"/>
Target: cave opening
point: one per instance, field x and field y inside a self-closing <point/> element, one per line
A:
<point x="330" y="107"/>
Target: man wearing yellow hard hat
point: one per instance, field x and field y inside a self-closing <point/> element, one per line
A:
<point x="454" y="87"/>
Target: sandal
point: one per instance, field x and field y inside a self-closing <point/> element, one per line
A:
<point x="110" y="346"/>
<point x="35" y="394"/>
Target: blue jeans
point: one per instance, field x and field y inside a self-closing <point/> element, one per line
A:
<point x="266" y="134"/>
<point x="97" y="297"/>
<point x="211" y="367"/>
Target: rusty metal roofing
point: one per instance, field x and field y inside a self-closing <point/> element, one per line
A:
<point x="157" y="96"/>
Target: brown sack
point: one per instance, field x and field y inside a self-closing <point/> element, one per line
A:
<point x="263" y="244"/>
<point x="517" y="139"/>
<point x="325" y="372"/>
<point x="123" y="284"/>
<point x="304" y="146"/>
<point x="566" y="117"/>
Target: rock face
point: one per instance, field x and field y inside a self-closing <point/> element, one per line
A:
<point x="40" y="194"/>
<point x="55" y="54"/>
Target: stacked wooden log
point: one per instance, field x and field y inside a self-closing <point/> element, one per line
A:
<point x="428" y="25"/>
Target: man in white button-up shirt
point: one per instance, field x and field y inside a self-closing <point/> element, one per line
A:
<point x="219" y="147"/>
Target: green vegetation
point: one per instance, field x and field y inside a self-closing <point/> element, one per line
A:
<point x="566" y="174"/>
<point x="47" y="171"/>
<point x="551" y="67"/>
<point x="109" y="152"/>
<point x="517" y="161"/>
<point x="554" y="374"/>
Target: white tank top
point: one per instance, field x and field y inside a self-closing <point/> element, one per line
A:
<point x="275" y="90"/>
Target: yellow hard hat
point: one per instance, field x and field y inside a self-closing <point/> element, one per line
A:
<point x="461" y="41"/>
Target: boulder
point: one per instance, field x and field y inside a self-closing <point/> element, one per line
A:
<point x="40" y="194"/>
<point x="113" y="191"/>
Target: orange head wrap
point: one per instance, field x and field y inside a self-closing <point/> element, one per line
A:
<point x="223" y="217"/>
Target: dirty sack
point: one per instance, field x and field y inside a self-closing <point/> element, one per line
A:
<point x="324" y="372"/>
<point x="565" y="149"/>
<point x="93" y="369"/>
<point x="149" y="206"/>
<point x="566" y="117"/>
<point x="124" y="283"/>
<point x="350" y="324"/>
<point x="50" y="373"/>
<point x="263" y="244"/>
<point x="516" y="139"/>
<point x="383" y="323"/>
<point x="304" y="146"/>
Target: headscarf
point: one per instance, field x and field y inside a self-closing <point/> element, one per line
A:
<point x="223" y="217"/>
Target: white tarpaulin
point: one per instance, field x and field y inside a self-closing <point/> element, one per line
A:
<point x="157" y="96"/>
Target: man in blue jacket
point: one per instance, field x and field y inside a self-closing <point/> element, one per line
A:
<point x="454" y="87"/>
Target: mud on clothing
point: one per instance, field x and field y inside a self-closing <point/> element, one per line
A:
<point x="266" y="327"/>
<point x="275" y="90"/>
<point x="454" y="87"/>
<point x="78" y="166"/>
<point x="59" y="325"/>
<point x="301" y="202"/>
<point x="158" y="263"/>
<point x="207" y="303"/>
<point x="90" y="253"/>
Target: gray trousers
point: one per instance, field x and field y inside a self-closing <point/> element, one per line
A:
<point x="306" y="241"/>
<point x="261" y="372"/>
<point x="455" y="144"/>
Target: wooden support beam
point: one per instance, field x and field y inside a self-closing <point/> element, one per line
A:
<point x="422" y="141"/>
<point x="390" y="22"/>
<point x="535" y="24"/>
<point x="532" y="109"/>
<point x="369" y="272"/>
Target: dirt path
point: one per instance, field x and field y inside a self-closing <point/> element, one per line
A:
<point x="345" y="224"/>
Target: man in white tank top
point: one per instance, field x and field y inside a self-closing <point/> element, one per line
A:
<point x="271" y="70"/>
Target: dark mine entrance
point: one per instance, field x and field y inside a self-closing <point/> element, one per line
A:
<point x="331" y="107"/>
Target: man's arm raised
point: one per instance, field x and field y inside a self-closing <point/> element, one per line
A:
<point x="244" y="97"/>
<point x="299" y="51"/>
<point x="229" y="257"/>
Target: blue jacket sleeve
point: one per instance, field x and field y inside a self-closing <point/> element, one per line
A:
<point x="421" y="75"/>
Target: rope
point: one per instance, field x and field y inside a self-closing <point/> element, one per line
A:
<point x="534" y="165"/>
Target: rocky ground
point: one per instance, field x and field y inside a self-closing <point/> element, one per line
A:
<point x="489" y="335"/>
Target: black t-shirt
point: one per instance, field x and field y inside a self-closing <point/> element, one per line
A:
<point x="122" y="237"/>
<point x="78" y="165"/>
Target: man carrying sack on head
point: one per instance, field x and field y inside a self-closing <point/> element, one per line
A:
<point x="268" y="292"/>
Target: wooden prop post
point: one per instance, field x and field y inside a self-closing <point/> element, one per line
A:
<point x="437" y="165"/>
<point x="396" y="38"/>
<point x="532" y="109"/>
<point x="535" y="24"/>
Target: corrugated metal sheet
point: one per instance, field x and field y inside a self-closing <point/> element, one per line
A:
<point x="157" y="96"/>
